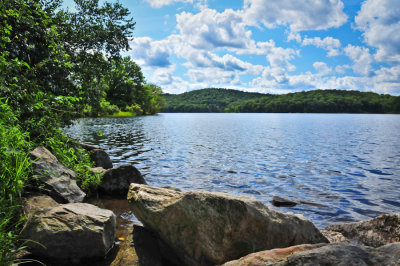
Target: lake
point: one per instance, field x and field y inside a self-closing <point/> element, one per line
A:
<point x="348" y="163"/>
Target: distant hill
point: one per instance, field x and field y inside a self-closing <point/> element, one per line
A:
<point x="317" y="101"/>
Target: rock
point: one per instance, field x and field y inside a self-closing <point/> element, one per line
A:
<point x="282" y="202"/>
<point x="100" y="158"/>
<point x="212" y="228"/>
<point x="376" y="232"/>
<point x="335" y="237"/>
<point x="70" y="231"/>
<point x="273" y="256"/>
<point x="322" y="254"/>
<point x="388" y="254"/>
<point x="58" y="181"/>
<point x="37" y="202"/>
<point x="334" y="254"/>
<point x="116" y="181"/>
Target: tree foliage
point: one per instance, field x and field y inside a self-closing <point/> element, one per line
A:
<point x="56" y="65"/>
<point x="317" y="101"/>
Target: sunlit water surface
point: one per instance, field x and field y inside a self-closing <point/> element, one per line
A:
<point x="349" y="163"/>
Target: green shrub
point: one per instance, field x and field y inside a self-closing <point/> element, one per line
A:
<point x="107" y="108"/>
<point x="14" y="165"/>
<point x="74" y="158"/>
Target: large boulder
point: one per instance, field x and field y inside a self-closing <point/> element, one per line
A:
<point x="100" y="158"/>
<point x="70" y="231"/>
<point x="116" y="181"/>
<point x="376" y="232"/>
<point x="55" y="179"/>
<point x="322" y="254"/>
<point x="212" y="228"/>
<point x="33" y="203"/>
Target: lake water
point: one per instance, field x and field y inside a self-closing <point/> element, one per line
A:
<point x="349" y="163"/>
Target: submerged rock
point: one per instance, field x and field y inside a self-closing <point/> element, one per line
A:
<point x="116" y="181"/>
<point x="212" y="228"/>
<point x="57" y="181"/>
<point x="282" y="202"/>
<point x="70" y="231"/>
<point x="100" y="158"/>
<point x="376" y="232"/>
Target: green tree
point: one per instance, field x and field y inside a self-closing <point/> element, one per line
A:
<point x="124" y="84"/>
<point x="155" y="101"/>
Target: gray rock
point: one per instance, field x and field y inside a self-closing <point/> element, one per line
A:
<point x="376" y="232"/>
<point x="334" y="254"/>
<point x="212" y="228"/>
<point x="34" y="203"/>
<point x="282" y="202"/>
<point x="70" y="231"/>
<point x="56" y="180"/>
<point x="116" y="181"/>
<point x="388" y="254"/>
<point x="100" y="158"/>
<point x="335" y="237"/>
<point x="272" y="257"/>
<point x="322" y="254"/>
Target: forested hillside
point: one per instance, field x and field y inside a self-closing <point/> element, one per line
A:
<point x="317" y="101"/>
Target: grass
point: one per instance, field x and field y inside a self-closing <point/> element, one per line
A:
<point x="123" y="114"/>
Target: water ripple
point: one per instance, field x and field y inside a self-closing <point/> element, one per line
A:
<point x="350" y="164"/>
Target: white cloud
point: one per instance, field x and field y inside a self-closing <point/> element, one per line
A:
<point x="362" y="59"/>
<point x="213" y="77"/>
<point x="322" y="68"/>
<point x="330" y="44"/>
<point x="150" y="53"/>
<point x="161" y="3"/>
<point x="210" y="29"/>
<point x="341" y="69"/>
<point x="380" y="22"/>
<point x="170" y="83"/>
<point x="299" y="15"/>
<point x="277" y="56"/>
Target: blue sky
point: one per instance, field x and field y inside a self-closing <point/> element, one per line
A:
<point x="268" y="46"/>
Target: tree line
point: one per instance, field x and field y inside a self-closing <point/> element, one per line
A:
<point x="316" y="101"/>
<point x="58" y="64"/>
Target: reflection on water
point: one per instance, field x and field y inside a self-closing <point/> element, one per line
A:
<point x="348" y="163"/>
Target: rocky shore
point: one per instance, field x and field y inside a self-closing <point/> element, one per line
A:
<point x="185" y="228"/>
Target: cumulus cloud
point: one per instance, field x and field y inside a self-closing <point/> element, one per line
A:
<point x="362" y="59"/>
<point x="213" y="77"/>
<point x="170" y="83"/>
<point x="330" y="44"/>
<point x="210" y="29"/>
<point x="299" y="15"/>
<point x="322" y="68"/>
<point x="150" y="53"/>
<point x="380" y="22"/>
<point x="278" y="57"/>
